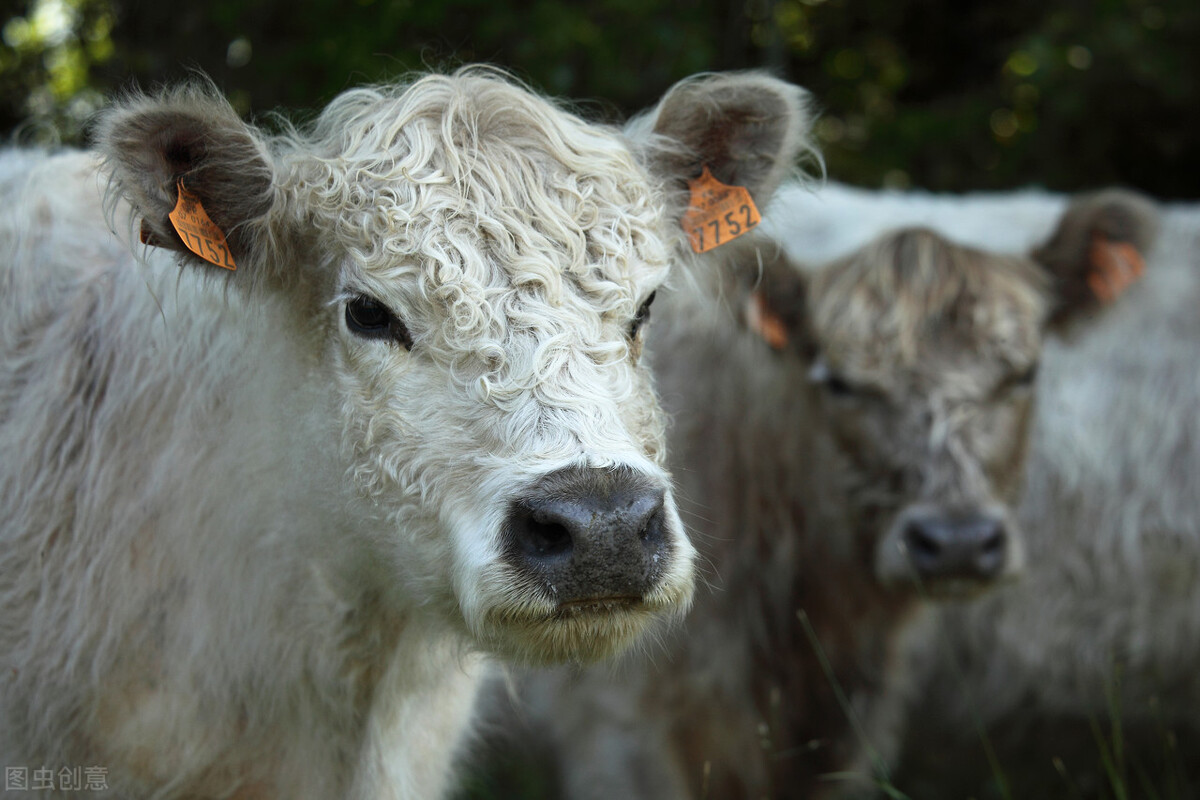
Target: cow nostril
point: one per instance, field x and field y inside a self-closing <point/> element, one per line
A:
<point x="652" y="530"/>
<point x="546" y="537"/>
<point x="541" y="533"/>
<point x="992" y="551"/>
<point x="921" y="545"/>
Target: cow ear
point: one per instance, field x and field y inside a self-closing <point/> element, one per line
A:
<point x="189" y="137"/>
<point x="1097" y="251"/>
<point x="748" y="129"/>
<point x="776" y="306"/>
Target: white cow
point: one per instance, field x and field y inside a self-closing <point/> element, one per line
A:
<point x="1104" y="626"/>
<point x="261" y="527"/>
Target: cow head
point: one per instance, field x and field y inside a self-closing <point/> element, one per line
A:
<point x="922" y="357"/>
<point x="467" y="269"/>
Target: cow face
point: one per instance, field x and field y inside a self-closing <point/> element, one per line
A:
<point x="922" y="357"/>
<point x="468" y="270"/>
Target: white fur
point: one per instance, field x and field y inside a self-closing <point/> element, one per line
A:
<point x="1107" y="615"/>
<point x="246" y="553"/>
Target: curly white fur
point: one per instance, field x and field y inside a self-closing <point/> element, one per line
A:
<point x="247" y="553"/>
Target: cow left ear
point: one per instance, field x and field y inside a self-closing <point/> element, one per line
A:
<point x="776" y="305"/>
<point x="197" y="176"/>
<point x="747" y="129"/>
<point x="1097" y="252"/>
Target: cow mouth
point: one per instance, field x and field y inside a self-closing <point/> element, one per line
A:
<point x="578" y="630"/>
<point x="960" y="588"/>
<point x="597" y="605"/>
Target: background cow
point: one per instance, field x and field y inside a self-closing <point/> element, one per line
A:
<point x="1080" y="680"/>
<point x="869" y="458"/>
<point x="260" y="523"/>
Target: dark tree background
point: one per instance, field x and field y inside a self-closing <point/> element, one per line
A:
<point x="939" y="94"/>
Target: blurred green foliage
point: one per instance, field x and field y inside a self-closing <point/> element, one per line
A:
<point x="932" y="93"/>
<point x="959" y="96"/>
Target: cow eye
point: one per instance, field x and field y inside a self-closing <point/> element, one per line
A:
<point x="1020" y="380"/>
<point x="371" y="319"/>
<point x="642" y="315"/>
<point x="837" y="385"/>
<point x="830" y="381"/>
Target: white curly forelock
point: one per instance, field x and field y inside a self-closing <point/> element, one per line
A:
<point x="515" y="241"/>
<point x="468" y="189"/>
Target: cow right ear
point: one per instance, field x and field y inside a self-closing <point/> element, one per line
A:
<point x="776" y="307"/>
<point x="187" y="154"/>
<point x="1097" y="252"/>
<point x="746" y="129"/>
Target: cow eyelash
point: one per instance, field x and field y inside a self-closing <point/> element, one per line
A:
<point x="368" y="318"/>
<point x="641" y="317"/>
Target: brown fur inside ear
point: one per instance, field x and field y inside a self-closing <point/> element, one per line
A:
<point x="191" y="135"/>
<point x="762" y="320"/>
<point x="747" y="128"/>
<point x="1115" y="266"/>
<point x="777" y="305"/>
<point x="1097" y="251"/>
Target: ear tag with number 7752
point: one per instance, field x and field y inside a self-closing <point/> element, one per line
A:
<point x="717" y="213"/>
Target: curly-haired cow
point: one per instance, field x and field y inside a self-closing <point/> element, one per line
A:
<point x="261" y="525"/>
<point x="847" y="442"/>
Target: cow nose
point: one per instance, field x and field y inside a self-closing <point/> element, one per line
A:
<point x="972" y="547"/>
<point x="590" y="534"/>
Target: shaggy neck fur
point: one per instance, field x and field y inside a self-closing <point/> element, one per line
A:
<point x="158" y="383"/>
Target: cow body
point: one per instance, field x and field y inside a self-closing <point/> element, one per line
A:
<point x="263" y="526"/>
<point x="818" y="226"/>
<point x="835" y="434"/>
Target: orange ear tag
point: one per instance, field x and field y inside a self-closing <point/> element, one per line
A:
<point x="717" y="213"/>
<point x="199" y="233"/>
<point x="1115" y="266"/>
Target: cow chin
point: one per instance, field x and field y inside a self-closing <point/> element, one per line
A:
<point x="529" y="627"/>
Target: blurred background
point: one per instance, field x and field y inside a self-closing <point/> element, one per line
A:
<point x="937" y="94"/>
